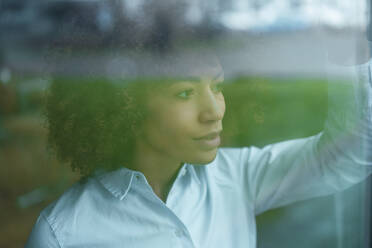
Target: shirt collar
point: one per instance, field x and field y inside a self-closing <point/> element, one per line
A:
<point x="118" y="182"/>
<point x="193" y="173"/>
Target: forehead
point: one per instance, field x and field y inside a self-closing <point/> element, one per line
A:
<point x="201" y="66"/>
<point x="197" y="67"/>
<point x="181" y="65"/>
<point x="196" y="73"/>
<point x="168" y="69"/>
<point x="206" y="72"/>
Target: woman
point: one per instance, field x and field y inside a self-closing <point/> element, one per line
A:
<point x="154" y="175"/>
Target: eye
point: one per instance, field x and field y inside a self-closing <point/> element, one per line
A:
<point x="217" y="88"/>
<point x="185" y="94"/>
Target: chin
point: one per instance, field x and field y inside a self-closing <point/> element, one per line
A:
<point x="205" y="158"/>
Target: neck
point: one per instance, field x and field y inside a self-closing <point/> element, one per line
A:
<point x="160" y="170"/>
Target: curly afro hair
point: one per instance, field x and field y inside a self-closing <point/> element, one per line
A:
<point x="92" y="122"/>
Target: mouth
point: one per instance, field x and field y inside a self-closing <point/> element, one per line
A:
<point x="209" y="141"/>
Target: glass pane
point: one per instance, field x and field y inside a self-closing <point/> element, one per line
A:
<point x="290" y="69"/>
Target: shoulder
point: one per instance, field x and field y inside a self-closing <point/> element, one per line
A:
<point x="77" y="196"/>
<point x="73" y="211"/>
<point x="226" y="166"/>
<point x="237" y="163"/>
<point x="230" y="158"/>
<point x="228" y="155"/>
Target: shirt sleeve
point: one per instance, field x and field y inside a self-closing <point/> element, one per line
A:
<point x="42" y="235"/>
<point x="331" y="161"/>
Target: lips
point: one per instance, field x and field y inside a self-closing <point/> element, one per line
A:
<point x="209" y="141"/>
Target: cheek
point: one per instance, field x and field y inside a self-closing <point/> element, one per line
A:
<point x="180" y="122"/>
<point x="172" y="120"/>
<point x="222" y="105"/>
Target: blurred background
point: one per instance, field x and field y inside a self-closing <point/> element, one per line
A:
<point x="275" y="54"/>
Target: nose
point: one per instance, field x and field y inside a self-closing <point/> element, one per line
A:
<point x="212" y="108"/>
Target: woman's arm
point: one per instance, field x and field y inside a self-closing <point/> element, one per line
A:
<point x="337" y="158"/>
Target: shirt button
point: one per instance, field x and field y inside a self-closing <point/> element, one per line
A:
<point x="137" y="177"/>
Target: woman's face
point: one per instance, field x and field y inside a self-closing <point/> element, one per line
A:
<point x="184" y="119"/>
